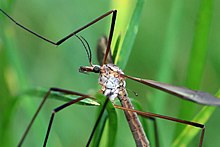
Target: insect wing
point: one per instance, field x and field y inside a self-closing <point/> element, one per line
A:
<point x="200" y="97"/>
<point x="101" y="50"/>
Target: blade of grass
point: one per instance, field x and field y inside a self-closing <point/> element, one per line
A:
<point x="131" y="32"/>
<point x="100" y="130"/>
<point x="169" y="51"/>
<point x="15" y="79"/>
<point x="106" y="135"/>
<point x="122" y="56"/>
<point x="166" y="66"/>
<point x="199" y="51"/>
<point x="116" y="48"/>
<point x="40" y="92"/>
<point x="197" y="59"/>
<point x="202" y="117"/>
<point x="12" y="76"/>
<point x="113" y="124"/>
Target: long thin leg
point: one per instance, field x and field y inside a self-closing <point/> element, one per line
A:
<point x="43" y="101"/>
<point x="148" y="114"/>
<point x="110" y="37"/>
<point x="71" y="34"/>
<point x="97" y="122"/>
<point x="99" y="118"/>
<point x="57" y="110"/>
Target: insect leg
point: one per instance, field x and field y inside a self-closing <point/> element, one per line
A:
<point x="57" y="110"/>
<point x="97" y="122"/>
<point x="83" y="96"/>
<point x="148" y="114"/>
<point x="71" y="34"/>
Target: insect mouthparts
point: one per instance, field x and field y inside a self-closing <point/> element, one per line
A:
<point x="81" y="69"/>
<point x="85" y="69"/>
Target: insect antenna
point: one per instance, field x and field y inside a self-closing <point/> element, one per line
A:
<point x="88" y="49"/>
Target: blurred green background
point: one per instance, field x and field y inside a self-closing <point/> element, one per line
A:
<point x="177" y="43"/>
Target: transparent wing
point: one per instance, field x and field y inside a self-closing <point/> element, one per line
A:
<point x="200" y="97"/>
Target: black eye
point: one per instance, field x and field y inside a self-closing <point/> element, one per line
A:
<point x="96" y="69"/>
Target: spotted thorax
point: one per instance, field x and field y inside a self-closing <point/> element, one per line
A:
<point x="111" y="80"/>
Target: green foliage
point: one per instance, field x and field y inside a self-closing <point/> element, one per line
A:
<point x="196" y="67"/>
<point x="130" y="35"/>
<point x="40" y="92"/>
<point x="177" y="42"/>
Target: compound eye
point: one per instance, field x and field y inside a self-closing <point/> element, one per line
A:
<point x="96" y="69"/>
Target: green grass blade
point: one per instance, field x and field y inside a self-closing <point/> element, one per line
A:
<point x="103" y="133"/>
<point x="113" y="124"/>
<point x="197" y="64"/>
<point x="132" y="30"/>
<point x="202" y="117"/>
<point x="100" y="129"/>
<point x="169" y="51"/>
<point x="12" y="76"/>
<point x="40" y="93"/>
<point x="122" y="54"/>
<point x="166" y="66"/>
<point x="115" y="51"/>
<point x="198" y="53"/>
<point x="199" y="49"/>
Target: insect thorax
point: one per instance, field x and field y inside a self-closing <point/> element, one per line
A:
<point x="111" y="80"/>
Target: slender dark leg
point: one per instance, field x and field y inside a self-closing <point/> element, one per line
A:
<point x="148" y="114"/>
<point x="83" y="96"/>
<point x="110" y="36"/>
<point x="99" y="118"/>
<point x="57" y="110"/>
<point x="73" y="33"/>
<point x="97" y="122"/>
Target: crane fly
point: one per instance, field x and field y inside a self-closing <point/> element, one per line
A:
<point x="112" y="81"/>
